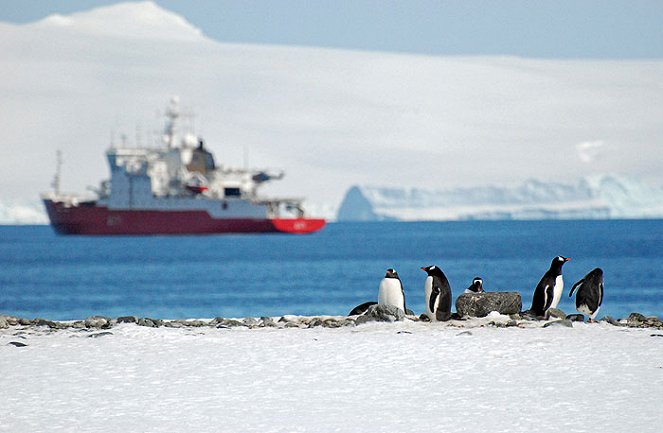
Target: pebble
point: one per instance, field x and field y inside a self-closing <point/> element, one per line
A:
<point x="375" y="314"/>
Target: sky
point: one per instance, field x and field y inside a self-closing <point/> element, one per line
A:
<point x="589" y="29"/>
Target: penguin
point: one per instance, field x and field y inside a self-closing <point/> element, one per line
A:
<point x="391" y="290"/>
<point x="361" y="309"/>
<point x="437" y="292"/>
<point x="590" y="293"/>
<point x="549" y="290"/>
<point x="476" y="286"/>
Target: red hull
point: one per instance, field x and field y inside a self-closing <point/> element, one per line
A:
<point x="88" y="219"/>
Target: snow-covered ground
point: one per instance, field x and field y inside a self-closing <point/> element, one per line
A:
<point x="407" y="376"/>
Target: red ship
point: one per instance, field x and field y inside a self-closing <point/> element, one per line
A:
<point x="176" y="189"/>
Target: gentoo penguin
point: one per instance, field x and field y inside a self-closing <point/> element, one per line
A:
<point x="391" y="290"/>
<point x="437" y="292"/>
<point x="590" y="293"/>
<point x="476" y="286"/>
<point x="361" y="309"/>
<point x="549" y="290"/>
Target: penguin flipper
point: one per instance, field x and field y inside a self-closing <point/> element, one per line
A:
<point x="600" y="294"/>
<point x="433" y="298"/>
<point x="550" y="294"/>
<point x="578" y="284"/>
<point x="403" y="293"/>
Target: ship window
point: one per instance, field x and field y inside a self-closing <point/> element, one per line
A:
<point x="232" y="192"/>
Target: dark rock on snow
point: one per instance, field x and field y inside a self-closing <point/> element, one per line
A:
<point x="576" y="317"/>
<point x="481" y="304"/>
<point x="555" y="313"/>
<point x="564" y="323"/>
<point x="17" y="344"/>
<point x="98" y="322"/>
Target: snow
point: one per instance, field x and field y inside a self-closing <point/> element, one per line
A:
<point x="416" y="377"/>
<point x="591" y="197"/>
<point x="330" y="118"/>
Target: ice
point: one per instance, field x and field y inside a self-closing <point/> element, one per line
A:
<point x="602" y="196"/>
<point x="416" y="377"/>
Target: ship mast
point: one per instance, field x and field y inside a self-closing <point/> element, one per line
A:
<point x="58" y="169"/>
<point x="172" y="113"/>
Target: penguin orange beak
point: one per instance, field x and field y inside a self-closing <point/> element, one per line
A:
<point x="567" y="259"/>
<point x="423" y="268"/>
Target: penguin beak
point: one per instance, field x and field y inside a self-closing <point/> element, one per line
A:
<point x="423" y="268"/>
<point x="566" y="259"/>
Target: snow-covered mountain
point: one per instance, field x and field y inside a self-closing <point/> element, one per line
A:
<point x="592" y="197"/>
<point x="329" y="118"/>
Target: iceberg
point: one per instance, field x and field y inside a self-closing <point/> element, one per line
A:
<point x="594" y="197"/>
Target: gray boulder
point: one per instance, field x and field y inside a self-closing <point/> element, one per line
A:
<point x="563" y="323"/>
<point x="98" y="322"/>
<point x="555" y="313"/>
<point x="385" y="313"/>
<point x="4" y="324"/>
<point x="481" y="304"/>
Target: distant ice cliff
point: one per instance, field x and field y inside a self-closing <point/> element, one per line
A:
<point x="598" y="197"/>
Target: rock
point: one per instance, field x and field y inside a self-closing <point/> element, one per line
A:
<point x="174" y="324"/>
<point x="555" y="313"/>
<point x="424" y="318"/>
<point x="564" y="323"/>
<point x="44" y="322"/>
<point x="98" y="322"/>
<point x="100" y="334"/>
<point x="610" y="320"/>
<point x="4" y="324"/>
<point x="79" y="324"/>
<point x="24" y="322"/>
<point x="576" y="317"/>
<point x="653" y="322"/>
<point x="363" y="319"/>
<point x="385" y="313"/>
<point x="127" y="319"/>
<point x="150" y="323"/>
<point x="229" y="323"/>
<point x="267" y="322"/>
<point x="480" y="304"/>
<point x="251" y="322"/>
<point x="332" y="323"/>
<point x="17" y="344"/>
<point x="636" y="320"/>
<point x="315" y="322"/>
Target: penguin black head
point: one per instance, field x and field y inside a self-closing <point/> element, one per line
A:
<point x="477" y="285"/>
<point x="432" y="270"/>
<point x="559" y="261"/>
<point x="391" y="273"/>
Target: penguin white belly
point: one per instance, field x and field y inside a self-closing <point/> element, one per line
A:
<point x="390" y="293"/>
<point x="584" y="309"/>
<point x="557" y="291"/>
<point x="428" y="291"/>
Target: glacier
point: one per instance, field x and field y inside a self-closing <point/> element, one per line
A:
<point x="591" y="197"/>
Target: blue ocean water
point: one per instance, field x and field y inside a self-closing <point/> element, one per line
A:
<point x="72" y="277"/>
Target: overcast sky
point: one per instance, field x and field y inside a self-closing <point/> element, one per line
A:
<point x="608" y="29"/>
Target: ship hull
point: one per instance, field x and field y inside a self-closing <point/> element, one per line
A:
<point x="90" y="219"/>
